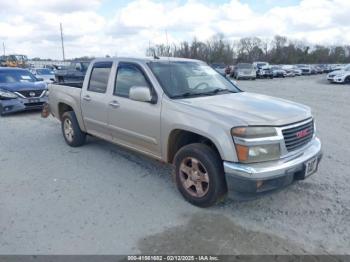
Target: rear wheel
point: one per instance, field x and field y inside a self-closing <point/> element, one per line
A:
<point x="71" y="130"/>
<point x="199" y="175"/>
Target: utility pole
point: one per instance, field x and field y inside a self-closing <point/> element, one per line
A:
<point x="64" y="58"/>
<point x="3" y="46"/>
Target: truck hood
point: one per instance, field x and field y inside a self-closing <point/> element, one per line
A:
<point x="15" y="87"/>
<point x="251" y="108"/>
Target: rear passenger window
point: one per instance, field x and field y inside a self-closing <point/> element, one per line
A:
<point x="128" y="75"/>
<point x="99" y="77"/>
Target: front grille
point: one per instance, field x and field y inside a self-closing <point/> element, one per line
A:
<point x="298" y="136"/>
<point x="27" y="93"/>
<point x="34" y="104"/>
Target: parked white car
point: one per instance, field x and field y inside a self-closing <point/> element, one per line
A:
<point x="340" y="76"/>
<point x="44" y="74"/>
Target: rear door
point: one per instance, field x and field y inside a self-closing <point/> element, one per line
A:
<point x="134" y="124"/>
<point x="94" y="101"/>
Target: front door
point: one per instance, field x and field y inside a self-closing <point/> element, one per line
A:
<point x="134" y="124"/>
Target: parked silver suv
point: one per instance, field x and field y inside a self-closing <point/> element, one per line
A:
<point x="183" y="112"/>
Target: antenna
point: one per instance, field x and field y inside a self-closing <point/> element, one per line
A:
<point x="64" y="58"/>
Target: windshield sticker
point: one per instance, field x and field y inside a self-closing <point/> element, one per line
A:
<point x="24" y="77"/>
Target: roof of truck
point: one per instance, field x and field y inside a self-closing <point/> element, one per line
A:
<point x="147" y="59"/>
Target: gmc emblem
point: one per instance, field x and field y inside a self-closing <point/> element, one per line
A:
<point x="302" y="133"/>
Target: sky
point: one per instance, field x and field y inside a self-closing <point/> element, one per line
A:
<point x="127" y="28"/>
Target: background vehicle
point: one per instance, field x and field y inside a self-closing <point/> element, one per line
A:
<point x="263" y="70"/>
<point x="45" y="74"/>
<point x="2" y="61"/>
<point x="289" y="69"/>
<point x="15" y="61"/>
<point x="218" y="138"/>
<point x="220" y="68"/>
<point x="75" y="72"/>
<point x="340" y="76"/>
<point x="277" y="71"/>
<point x="244" y="71"/>
<point x="20" y="90"/>
<point x="305" y="69"/>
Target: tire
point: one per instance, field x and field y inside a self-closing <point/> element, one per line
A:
<point x="71" y="131"/>
<point x="209" y="176"/>
<point x="253" y="78"/>
<point x="1" y="114"/>
<point x="347" y="80"/>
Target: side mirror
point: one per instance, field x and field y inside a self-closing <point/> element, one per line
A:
<point x="140" y="93"/>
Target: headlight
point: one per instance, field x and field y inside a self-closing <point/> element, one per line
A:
<point x="253" y="132"/>
<point x="7" y="95"/>
<point x="247" y="153"/>
<point x="258" y="153"/>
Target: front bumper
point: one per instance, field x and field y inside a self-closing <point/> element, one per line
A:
<point x="266" y="176"/>
<point x="337" y="79"/>
<point x="22" y="104"/>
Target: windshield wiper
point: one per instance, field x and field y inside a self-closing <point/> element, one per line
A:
<point x="212" y="92"/>
<point x="216" y="91"/>
<point x="187" y="94"/>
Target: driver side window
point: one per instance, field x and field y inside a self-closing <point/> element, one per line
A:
<point x="128" y="75"/>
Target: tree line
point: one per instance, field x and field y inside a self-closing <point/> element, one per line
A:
<point x="279" y="50"/>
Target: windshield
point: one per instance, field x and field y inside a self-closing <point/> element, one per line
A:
<point x="260" y="65"/>
<point x="187" y="79"/>
<point x="245" y="66"/>
<point x="44" y="72"/>
<point x="21" y="57"/>
<point x="14" y="76"/>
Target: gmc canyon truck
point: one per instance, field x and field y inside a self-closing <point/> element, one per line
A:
<point x="180" y="111"/>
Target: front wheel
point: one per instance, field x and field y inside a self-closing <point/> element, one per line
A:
<point x="72" y="133"/>
<point x="199" y="175"/>
<point x="347" y="80"/>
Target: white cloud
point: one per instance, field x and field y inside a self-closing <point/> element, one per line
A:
<point x="32" y="26"/>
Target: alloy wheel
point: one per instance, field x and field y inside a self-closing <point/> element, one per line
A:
<point x="194" y="177"/>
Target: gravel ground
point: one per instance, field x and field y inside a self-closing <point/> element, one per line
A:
<point x="102" y="199"/>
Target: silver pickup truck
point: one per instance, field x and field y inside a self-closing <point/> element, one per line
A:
<point x="219" y="139"/>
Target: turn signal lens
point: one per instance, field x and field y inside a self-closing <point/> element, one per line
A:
<point x="242" y="152"/>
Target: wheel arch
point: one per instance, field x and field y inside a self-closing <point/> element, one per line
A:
<point x="64" y="107"/>
<point x="181" y="137"/>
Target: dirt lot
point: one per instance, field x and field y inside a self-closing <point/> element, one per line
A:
<point x="102" y="199"/>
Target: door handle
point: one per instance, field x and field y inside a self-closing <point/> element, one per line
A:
<point x="87" y="98"/>
<point x="114" y="104"/>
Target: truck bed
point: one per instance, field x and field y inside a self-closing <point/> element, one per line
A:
<point x="65" y="94"/>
